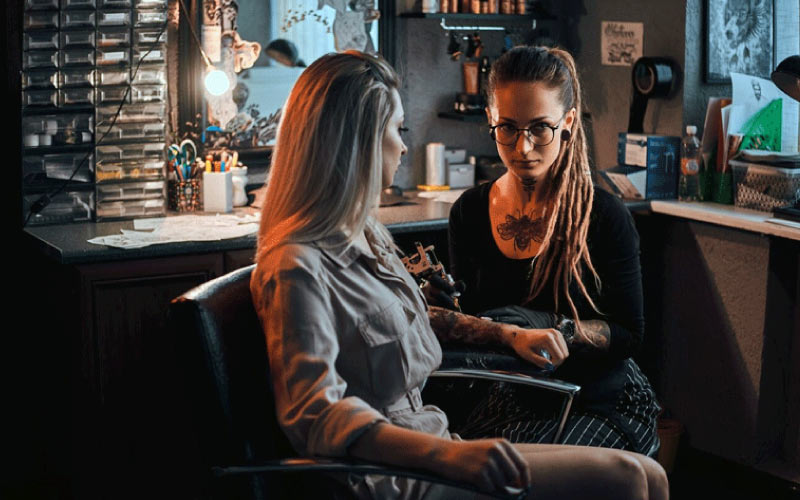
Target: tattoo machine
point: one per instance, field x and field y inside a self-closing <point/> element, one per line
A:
<point x="425" y="267"/>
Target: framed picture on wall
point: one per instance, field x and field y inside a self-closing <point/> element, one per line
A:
<point x="739" y="38"/>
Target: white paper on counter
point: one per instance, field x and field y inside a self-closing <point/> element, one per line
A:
<point x="444" y="196"/>
<point x="754" y="93"/>
<point x="181" y="228"/>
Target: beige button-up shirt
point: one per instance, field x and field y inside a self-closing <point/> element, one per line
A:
<point x="349" y="342"/>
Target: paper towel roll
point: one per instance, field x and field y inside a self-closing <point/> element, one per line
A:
<point x="435" y="167"/>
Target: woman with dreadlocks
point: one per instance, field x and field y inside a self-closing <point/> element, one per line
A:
<point x="542" y="248"/>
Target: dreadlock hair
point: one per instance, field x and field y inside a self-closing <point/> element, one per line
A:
<point x="568" y="183"/>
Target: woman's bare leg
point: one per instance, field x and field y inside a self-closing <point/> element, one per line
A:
<point x="561" y="471"/>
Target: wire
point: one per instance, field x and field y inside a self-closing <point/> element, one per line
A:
<point x="46" y="198"/>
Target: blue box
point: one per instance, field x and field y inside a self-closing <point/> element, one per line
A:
<point x="658" y="156"/>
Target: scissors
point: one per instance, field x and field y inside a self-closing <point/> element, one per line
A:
<point x="182" y="156"/>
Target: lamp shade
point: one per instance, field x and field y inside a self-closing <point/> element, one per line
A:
<point x="787" y="76"/>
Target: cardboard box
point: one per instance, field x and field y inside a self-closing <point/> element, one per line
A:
<point x="651" y="162"/>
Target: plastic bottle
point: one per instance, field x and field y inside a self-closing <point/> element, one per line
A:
<point x="691" y="161"/>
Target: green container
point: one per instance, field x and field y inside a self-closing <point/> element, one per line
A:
<point x="722" y="188"/>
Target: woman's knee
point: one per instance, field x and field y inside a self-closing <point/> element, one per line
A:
<point x="657" y="482"/>
<point x="628" y="477"/>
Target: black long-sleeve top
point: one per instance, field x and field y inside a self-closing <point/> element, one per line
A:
<point x="494" y="280"/>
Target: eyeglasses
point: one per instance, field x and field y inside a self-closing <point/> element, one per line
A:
<point x="540" y="133"/>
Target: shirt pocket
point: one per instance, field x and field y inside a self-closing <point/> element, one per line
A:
<point x="385" y="335"/>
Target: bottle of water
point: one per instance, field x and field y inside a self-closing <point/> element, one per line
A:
<point x="691" y="160"/>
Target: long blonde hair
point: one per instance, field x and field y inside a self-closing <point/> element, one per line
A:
<point x="569" y="188"/>
<point x="326" y="166"/>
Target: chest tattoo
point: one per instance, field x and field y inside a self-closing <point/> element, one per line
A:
<point x="522" y="229"/>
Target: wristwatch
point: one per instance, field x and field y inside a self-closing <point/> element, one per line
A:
<point x="566" y="326"/>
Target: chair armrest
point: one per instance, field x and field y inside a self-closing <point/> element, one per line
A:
<point x="317" y="465"/>
<point x="502" y="365"/>
<point x="552" y="384"/>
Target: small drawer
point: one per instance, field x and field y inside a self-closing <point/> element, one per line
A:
<point x="77" y="78"/>
<point x="151" y="75"/>
<point x="130" y="191"/>
<point x="41" y="4"/>
<point x="41" y="20"/>
<point x="38" y="40"/>
<point x="40" y="80"/>
<point x="131" y="209"/>
<point x="125" y="152"/>
<point x="69" y="206"/>
<point x="77" y="39"/>
<point x="40" y="98"/>
<point x="77" y="57"/>
<point x="148" y="93"/>
<point x="78" y="4"/>
<point x="114" y="4"/>
<point x="39" y="170"/>
<point x="144" y="170"/>
<point x="61" y="130"/>
<point x="112" y="95"/>
<point x="121" y="76"/>
<point x="120" y="18"/>
<point x="149" y="37"/>
<point x="113" y="37"/>
<point x="75" y="97"/>
<point x="144" y="18"/>
<point x="40" y="60"/>
<point x="133" y="131"/>
<point x="150" y="4"/>
<point x="152" y="55"/>
<point x="133" y="113"/>
<point x="115" y="56"/>
<point x="77" y="19"/>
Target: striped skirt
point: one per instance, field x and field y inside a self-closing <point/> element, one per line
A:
<point x="628" y="422"/>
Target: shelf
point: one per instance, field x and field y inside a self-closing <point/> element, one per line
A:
<point x="468" y="17"/>
<point x="463" y="117"/>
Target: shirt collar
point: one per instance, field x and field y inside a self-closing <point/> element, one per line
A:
<point x="340" y="250"/>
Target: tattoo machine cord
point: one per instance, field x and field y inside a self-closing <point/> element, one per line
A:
<point x="46" y="198"/>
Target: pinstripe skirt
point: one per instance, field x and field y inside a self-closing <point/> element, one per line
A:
<point x="626" y="420"/>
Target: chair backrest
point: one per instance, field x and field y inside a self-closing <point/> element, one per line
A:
<point x="223" y="353"/>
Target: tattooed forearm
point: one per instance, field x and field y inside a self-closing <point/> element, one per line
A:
<point x="454" y="326"/>
<point x="596" y="334"/>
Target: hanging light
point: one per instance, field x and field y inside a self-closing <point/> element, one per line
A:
<point x="216" y="81"/>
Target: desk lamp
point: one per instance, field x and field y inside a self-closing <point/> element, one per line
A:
<point x="787" y="77"/>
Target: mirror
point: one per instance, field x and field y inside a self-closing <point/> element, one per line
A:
<point x="291" y="34"/>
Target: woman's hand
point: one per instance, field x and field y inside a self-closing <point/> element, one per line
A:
<point x="531" y="345"/>
<point x="490" y="464"/>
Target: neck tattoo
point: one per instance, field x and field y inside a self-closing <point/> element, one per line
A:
<point x="529" y="186"/>
<point x="522" y="229"/>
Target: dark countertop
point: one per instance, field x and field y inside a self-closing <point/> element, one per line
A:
<point x="68" y="244"/>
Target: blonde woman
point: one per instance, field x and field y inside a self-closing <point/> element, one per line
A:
<point x="544" y="238"/>
<point x="346" y="327"/>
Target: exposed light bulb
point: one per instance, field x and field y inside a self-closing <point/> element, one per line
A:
<point x="216" y="82"/>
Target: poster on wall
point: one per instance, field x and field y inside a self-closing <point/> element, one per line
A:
<point x="739" y="39"/>
<point x="621" y="43"/>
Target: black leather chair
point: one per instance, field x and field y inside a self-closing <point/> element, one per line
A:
<point x="243" y="452"/>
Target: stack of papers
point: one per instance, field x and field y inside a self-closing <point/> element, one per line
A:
<point x="181" y="228"/>
<point x="777" y="159"/>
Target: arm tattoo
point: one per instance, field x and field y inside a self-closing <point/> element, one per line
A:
<point x="596" y="334"/>
<point x="451" y="325"/>
<point x="522" y="229"/>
